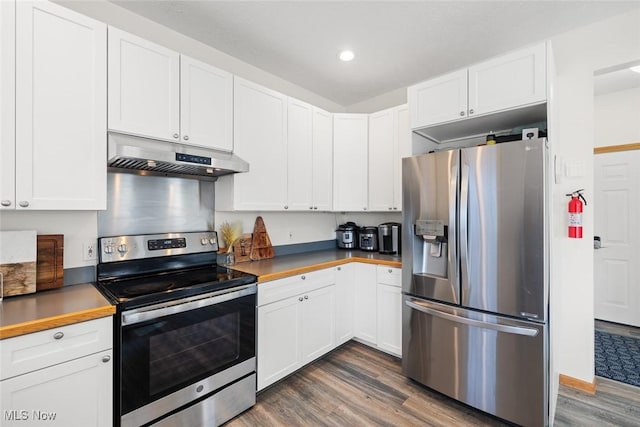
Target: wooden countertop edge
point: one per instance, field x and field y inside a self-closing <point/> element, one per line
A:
<point x="55" y="321"/>
<point x="313" y="267"/>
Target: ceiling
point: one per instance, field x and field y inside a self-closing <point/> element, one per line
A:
<point x="396" y="43"/>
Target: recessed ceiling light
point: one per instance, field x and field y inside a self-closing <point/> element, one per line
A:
<point x="346" y="55"/>
<point x="636" y="68"/>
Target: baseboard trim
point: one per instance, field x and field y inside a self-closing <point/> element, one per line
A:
<point x="587" y="387"/>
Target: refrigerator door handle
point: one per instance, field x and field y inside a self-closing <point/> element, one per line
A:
<point x="452" y="238"/>
<point x="464" y="217"/>
<point x="518" y="330"/>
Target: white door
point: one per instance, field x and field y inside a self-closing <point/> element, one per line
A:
<point x="402" y="149"/>
<point x="260" y="138"/>
<point x="144" y="87"/>
<point x="60" y="108"/>
<point x="7" y="105"/>
<point x="300" y="155"/>
<point x="206" y="105"/>
<point x="617" y="263"/>
<point x="350" y="164"/>
<point x="345" y="299"/>
<point x="322" y="160"/>
<point x="77" y="393"/>
<point x="438" y="100"/>
<point x="366" y="306"/>
<point x="318" y="323"/>
<point x="279" y="333"/>
<point x="509" y="81"/>
<point x="382" y="134"/>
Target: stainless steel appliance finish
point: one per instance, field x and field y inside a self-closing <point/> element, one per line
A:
<point x="347" y="235"/>
<point x="368" y="238"/>
<point x="151" y="204"/>
<point x="148" y="156"/>
<point x="390" y="238"/>
<point x="475" y="277"/>
<point x="185" y="328"/>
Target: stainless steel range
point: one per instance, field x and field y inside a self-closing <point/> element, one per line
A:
<point x="185" y="330"/>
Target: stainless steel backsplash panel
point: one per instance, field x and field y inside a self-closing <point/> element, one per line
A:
<point x="153" y="204"/>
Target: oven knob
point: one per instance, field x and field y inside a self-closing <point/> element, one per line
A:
<point x="123" y="249"/>
<point x="204" y="241"/>
<point x="108" y="249"/>
<point x="212" y="241"/>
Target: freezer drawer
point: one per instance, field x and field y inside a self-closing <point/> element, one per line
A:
<point x="495" y="364"/>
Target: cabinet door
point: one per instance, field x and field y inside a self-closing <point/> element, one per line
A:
<point x="365" y="303"/>
<point x="299" y="155"/>
<point x="318" y="323"/>
<point x="402" y="149"/>
<point x="438" y="100"/>
<point x="278" y="340"/>
<point x="75" y="393"/>
<point x="60" y="108"/>
<point x="144" y="87"/>
<point x="7" y="105"/>
<point x="322" y="160"/>
<point x="509" y="81"/>
<point x="350" y="164"/>
<point x="390" y="318"/>
<point x="345" y="300"/>
<point x="206" y="105"/>
<point x="382" y="133"/>
<point x="260" y="133"/>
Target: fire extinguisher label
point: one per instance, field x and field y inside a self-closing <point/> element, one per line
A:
<point x="575" y="219"/>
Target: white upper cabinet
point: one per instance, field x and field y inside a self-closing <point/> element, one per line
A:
<point x="260" y="133"/>
<point x="438" y="100"/>
<point x="350" y="162"/>
<point x="299" y="155"/>
<point x="7" y="105"/>
<point x="389" y="141"/>
<point x="322" y="160"/>
<point x="144" y="87"/>
<point x="508" y="81"/>
<point x="206" y="105"/>
<point x="155" y="92"/>
<point x="60" y="112"/>
<point x="504" y="83"/>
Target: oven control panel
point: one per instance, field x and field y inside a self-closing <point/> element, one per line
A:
<point x="124" y="248"/>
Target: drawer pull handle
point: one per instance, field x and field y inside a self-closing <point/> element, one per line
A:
<point x="339" y="268"/>
<point x="306" y="297"/>
<point x="390" y="271"/>
<point x="105" y="359"/>
<point x="58" y="335"/>
<point x="303" y="277"/>
<point x="300" y="299"/>
<point x="199" y="388"/>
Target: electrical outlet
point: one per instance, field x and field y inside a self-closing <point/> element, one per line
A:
<point x="89" y="251"/>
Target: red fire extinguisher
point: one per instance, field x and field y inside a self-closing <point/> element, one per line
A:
<point x="575" y="214"/>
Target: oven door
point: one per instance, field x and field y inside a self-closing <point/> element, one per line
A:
<point x="177" y="352"/>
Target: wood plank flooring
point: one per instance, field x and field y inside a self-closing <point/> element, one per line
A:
<point x="358" y="386"/>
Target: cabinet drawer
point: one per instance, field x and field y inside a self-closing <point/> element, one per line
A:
<point x="294" y="285"/>
<point x="389" y="275"/>
<point x="38" y="350"/>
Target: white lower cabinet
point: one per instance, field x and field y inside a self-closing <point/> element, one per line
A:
<point x="389" y="291"/>
<point x="296" y="323"/>
<point x="366" y="306"/>
<point x="345" y="299"/>
<point x="59" y="377"/>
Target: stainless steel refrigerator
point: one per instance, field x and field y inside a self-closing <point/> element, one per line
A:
<point x="475" y="277"/>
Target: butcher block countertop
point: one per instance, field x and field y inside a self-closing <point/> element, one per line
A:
<point x="24" y="314"/>
<point x="290" y="265"/>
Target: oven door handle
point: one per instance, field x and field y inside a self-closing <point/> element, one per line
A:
<point x="186" y="304"/>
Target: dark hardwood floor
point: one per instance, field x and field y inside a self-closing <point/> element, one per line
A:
<point x="359" y="386"/>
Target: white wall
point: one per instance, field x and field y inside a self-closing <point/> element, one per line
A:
<point x="78" y="227"/>
<point x="301" y="227"/>
<point x="577" y="55"/>
<point x="617" y="118"/>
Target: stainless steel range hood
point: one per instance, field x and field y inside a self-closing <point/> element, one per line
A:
<point x="146" y="156"/>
